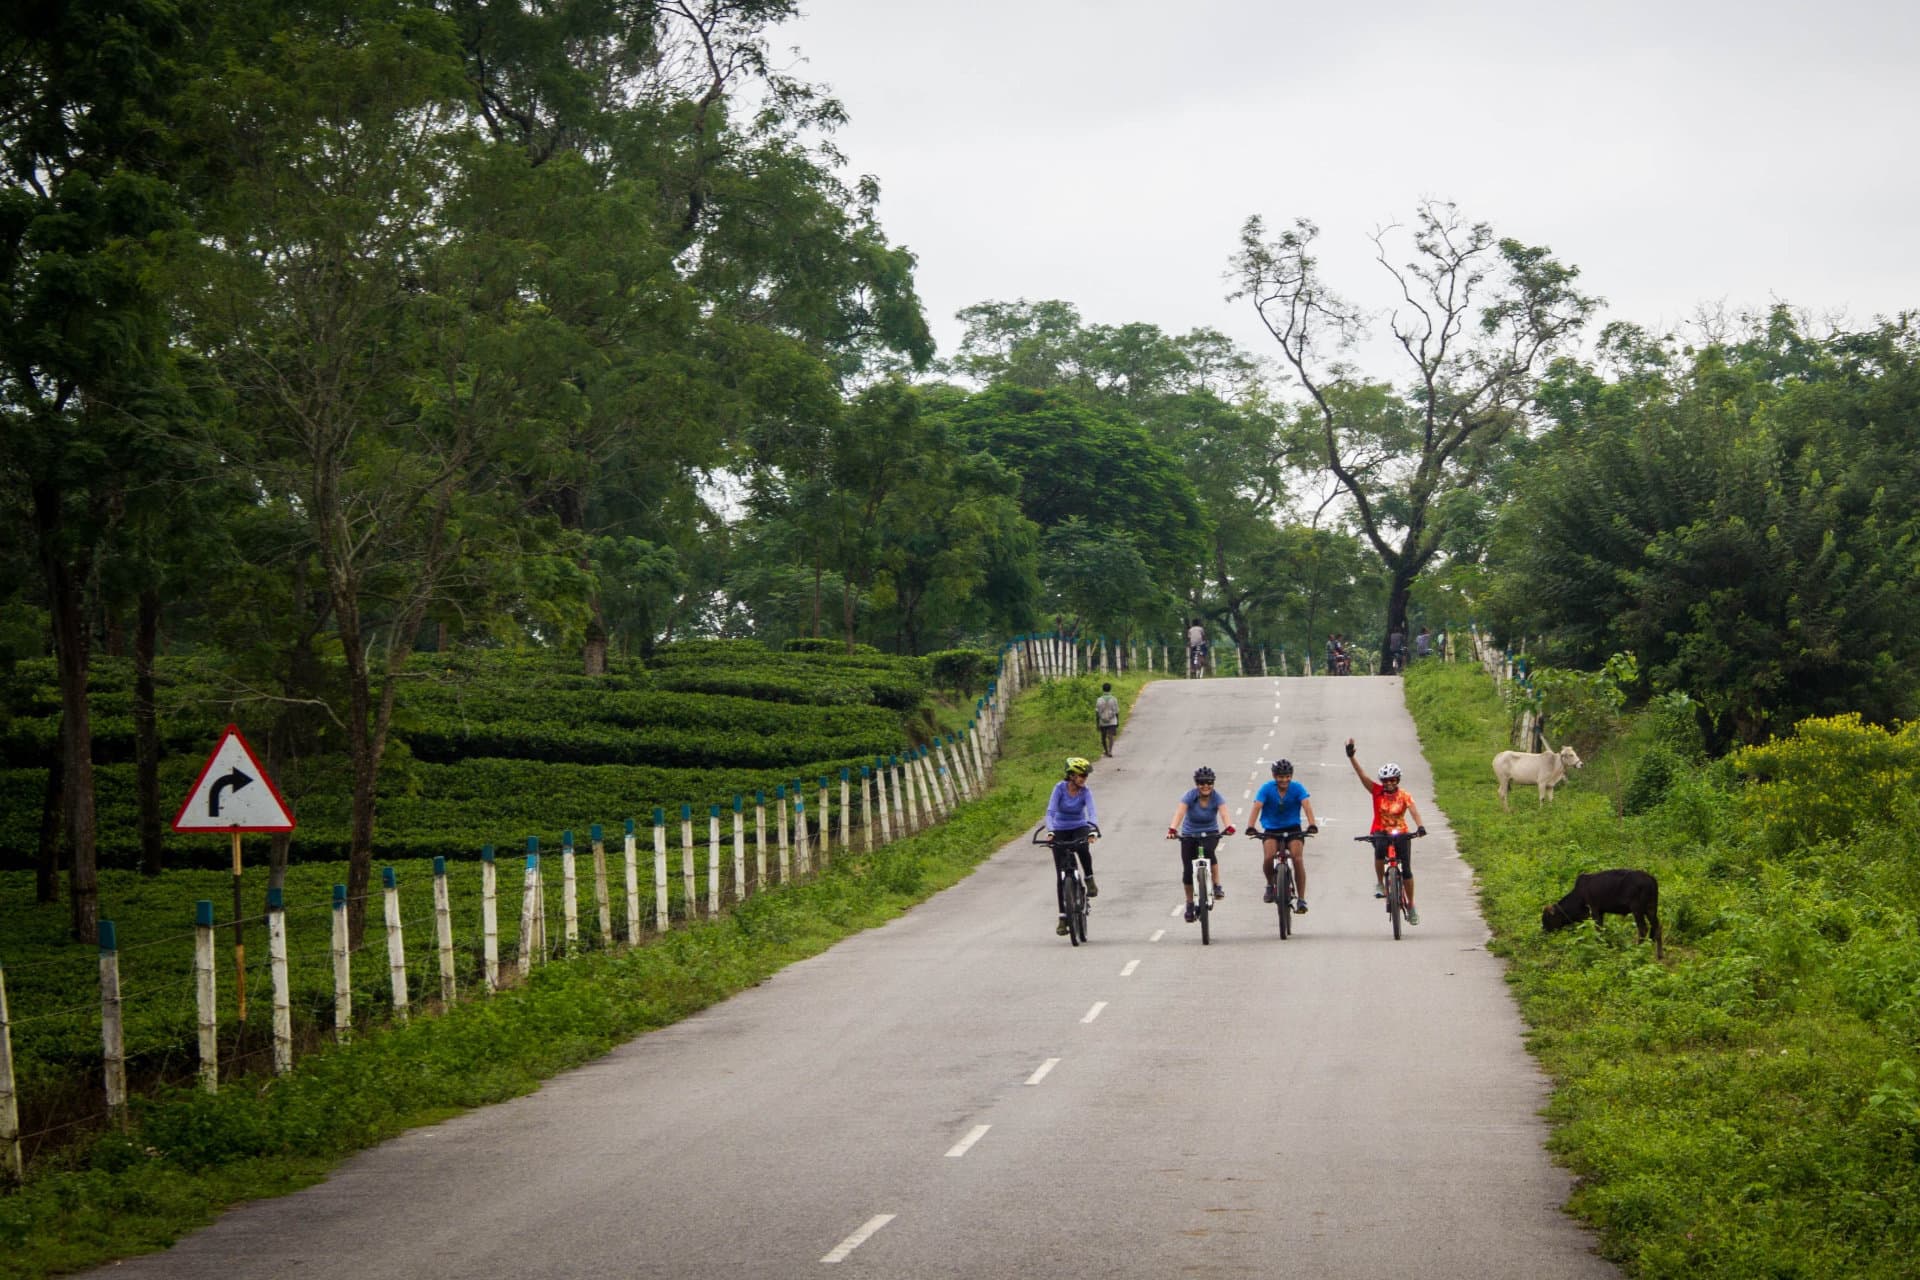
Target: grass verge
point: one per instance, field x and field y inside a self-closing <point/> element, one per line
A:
<point x="1749" y="1107"/>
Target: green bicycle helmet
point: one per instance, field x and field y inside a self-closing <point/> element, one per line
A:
<point x="1080" y="765"/>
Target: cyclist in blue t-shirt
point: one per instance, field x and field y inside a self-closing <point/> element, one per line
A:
<point x="1071" y="818"/>
<point x="1197" y="825"/>
<point x="1276" y="811"/>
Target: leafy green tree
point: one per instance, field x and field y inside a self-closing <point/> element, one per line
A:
<point x="1478" y="317"/>
<point x="89" y="217"/>
<point x="1740" y="520"/>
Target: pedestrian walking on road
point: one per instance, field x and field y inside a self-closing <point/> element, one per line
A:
<point x="1106" y="714"/>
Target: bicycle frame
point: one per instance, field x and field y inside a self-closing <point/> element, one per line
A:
<point x="1284" y="886"/>
<point x="1383" y="844"/>
<point x="1070" y="880"/>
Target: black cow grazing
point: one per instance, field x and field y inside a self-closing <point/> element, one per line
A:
<point x="1616" y="893"/>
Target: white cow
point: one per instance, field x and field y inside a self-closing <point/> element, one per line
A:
<point x="1545" y="769"/>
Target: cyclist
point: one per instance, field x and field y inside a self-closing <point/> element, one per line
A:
<point x="1069" y="814"/>
<point x="1196" y="824"/>
<point x="1277" y="806"/>
<point x="1395" y="813"/>
<point x="1106" y="714"/>
<point x="1196" y="648"/>
<point x="1396" y="652"/>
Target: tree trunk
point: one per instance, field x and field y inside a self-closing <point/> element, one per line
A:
<point x="595" y="653"/>
<point x="146" y="731"/>
<point x="64" y="592"/>
<point x="46" y="882"/>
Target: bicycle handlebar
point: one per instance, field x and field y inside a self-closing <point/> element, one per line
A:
<point x="1257" y="833"/>
<point x="1043" y="836"/>
<point x="1373" y="836"/>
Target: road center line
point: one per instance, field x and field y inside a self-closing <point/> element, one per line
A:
<point x="858" y="1238"/>
<point x="1131" y="966"/>
<point x="1092" y="1013"/>
<point x="1041" y="1074"/>
<point x="1178" y="910"/>
<point x="1157" y="935"/>
<point x="960" y="1148"/>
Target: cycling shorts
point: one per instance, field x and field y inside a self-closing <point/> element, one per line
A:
<point x="1283" y="835"/>
<point x="1190" y="847"/>
<point x="1403" y="841"/>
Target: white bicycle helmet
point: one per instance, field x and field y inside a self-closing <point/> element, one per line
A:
<point x="1389" y="772"/>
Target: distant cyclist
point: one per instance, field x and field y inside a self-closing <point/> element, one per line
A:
<point x="1394" y="813"/>
<point x="1106" y="714"/>
<point x="1276" y="811"/>
<point x="1196" y="647"/>
<point x="1069" y="814"/>
<point x="1197" y="823"/>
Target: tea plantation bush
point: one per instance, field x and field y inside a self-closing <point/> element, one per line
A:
<point x="488" y="747"/>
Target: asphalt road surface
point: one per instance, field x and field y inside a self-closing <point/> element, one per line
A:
<point x="963" y="1094"/>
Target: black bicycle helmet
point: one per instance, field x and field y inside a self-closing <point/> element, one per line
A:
<point x="1283" y="768"/>
<point x="1202" y="774"/>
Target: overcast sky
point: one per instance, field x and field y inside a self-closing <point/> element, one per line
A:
<point x="1682" y="153"/>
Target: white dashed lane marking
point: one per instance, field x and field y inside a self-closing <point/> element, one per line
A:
<point x="1041" y="1072"/>
<point x="1092" y="1013"/>
<point x="858" y="1238"/>
<point x="961" y="1147"/>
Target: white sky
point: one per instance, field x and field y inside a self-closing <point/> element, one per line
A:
<point x="1106" y="153"/>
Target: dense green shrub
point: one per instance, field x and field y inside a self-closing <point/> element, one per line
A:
<point x="821" y="644"/>
<point x="1653" y="773"/>
<point x="964" y="671"/>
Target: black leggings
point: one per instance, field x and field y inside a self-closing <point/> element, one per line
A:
<point x="1190" y="847"/>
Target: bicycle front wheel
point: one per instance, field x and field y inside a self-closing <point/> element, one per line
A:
<point x="1393" y="900"/>
<point x="1283" y="896"/>
<point x="1077" y="911"/>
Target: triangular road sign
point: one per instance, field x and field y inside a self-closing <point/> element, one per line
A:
<point x="233" y="793"/>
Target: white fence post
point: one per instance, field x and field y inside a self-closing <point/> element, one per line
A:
<point x="759" y="840"/>
<point x="443" y="930"/>
<point x="10" y="1158"/>
<point x="823" y="822"/>
<point x="780" y="809"/>
<point x="569" y="894"/>
<point x="632" y="852"/>
<point x="739" y="848"/>
<point x="602" y="897"/>
<point x="662" y="917"/>
<point x="342" y="969"/>
<point x="205" y="995"/>
<point x="530" y="908"/>
<point x="866" y="809"/>
<point x="800" y="858"/>
<point x="112" y="1032"/>
<point x="713" y="861"/>
<point x="689" y="877"/>
<point x="489" y="917"/>
<point x="880" y="793"/>
<point x="396" y="946"/>
<point x="846" y="812"/>
<point x="277" y="971"/>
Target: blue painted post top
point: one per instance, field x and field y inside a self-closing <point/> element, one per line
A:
<point x="386" y="877"/>
<point x="203" y="911"/>
<point x="107" y="943"/>
<point x="760" y="797"/>
<point x="823" y="777"/>
<point x="865" y="771"/>
<point x="339" y="897"/>
<point x="686" y="813"/>
<point x="879" y="762"/>
<point x="533" y="845"/>
<point x="739" y="803"/>
<point x="659" y="816"/>
<point x="629" y="826"/>
<point x="276" y="900"/>
<point x="780" y="792"/>
<point x="845" y="774"/>
<point x="595" y="834"/>
<point x="566" y="839"/>
<point x="894" y="761"/>
<point x="440" y="867"/>
<point x="713" y="811"/>
<point x="486" y="853"/>
<point x="533" y="862"/>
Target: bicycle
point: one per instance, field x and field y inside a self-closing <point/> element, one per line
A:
<point x="1284" y="889"/>
<point x="1073" y="901"/>
<point x="1203" y="887"/>
<point x="1196" y="661"/>
<point x="1396" y="888"/>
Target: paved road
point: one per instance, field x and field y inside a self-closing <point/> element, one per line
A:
<point x="963" y="1094"/>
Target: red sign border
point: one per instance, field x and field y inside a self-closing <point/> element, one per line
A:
<point x="233" y="731"/>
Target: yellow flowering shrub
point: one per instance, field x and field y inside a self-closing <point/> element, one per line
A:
<point x="1833" y="776"/>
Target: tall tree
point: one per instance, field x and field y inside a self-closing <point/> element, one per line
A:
<point x="1477" y="317"/>
<point x="87" y="219"/>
